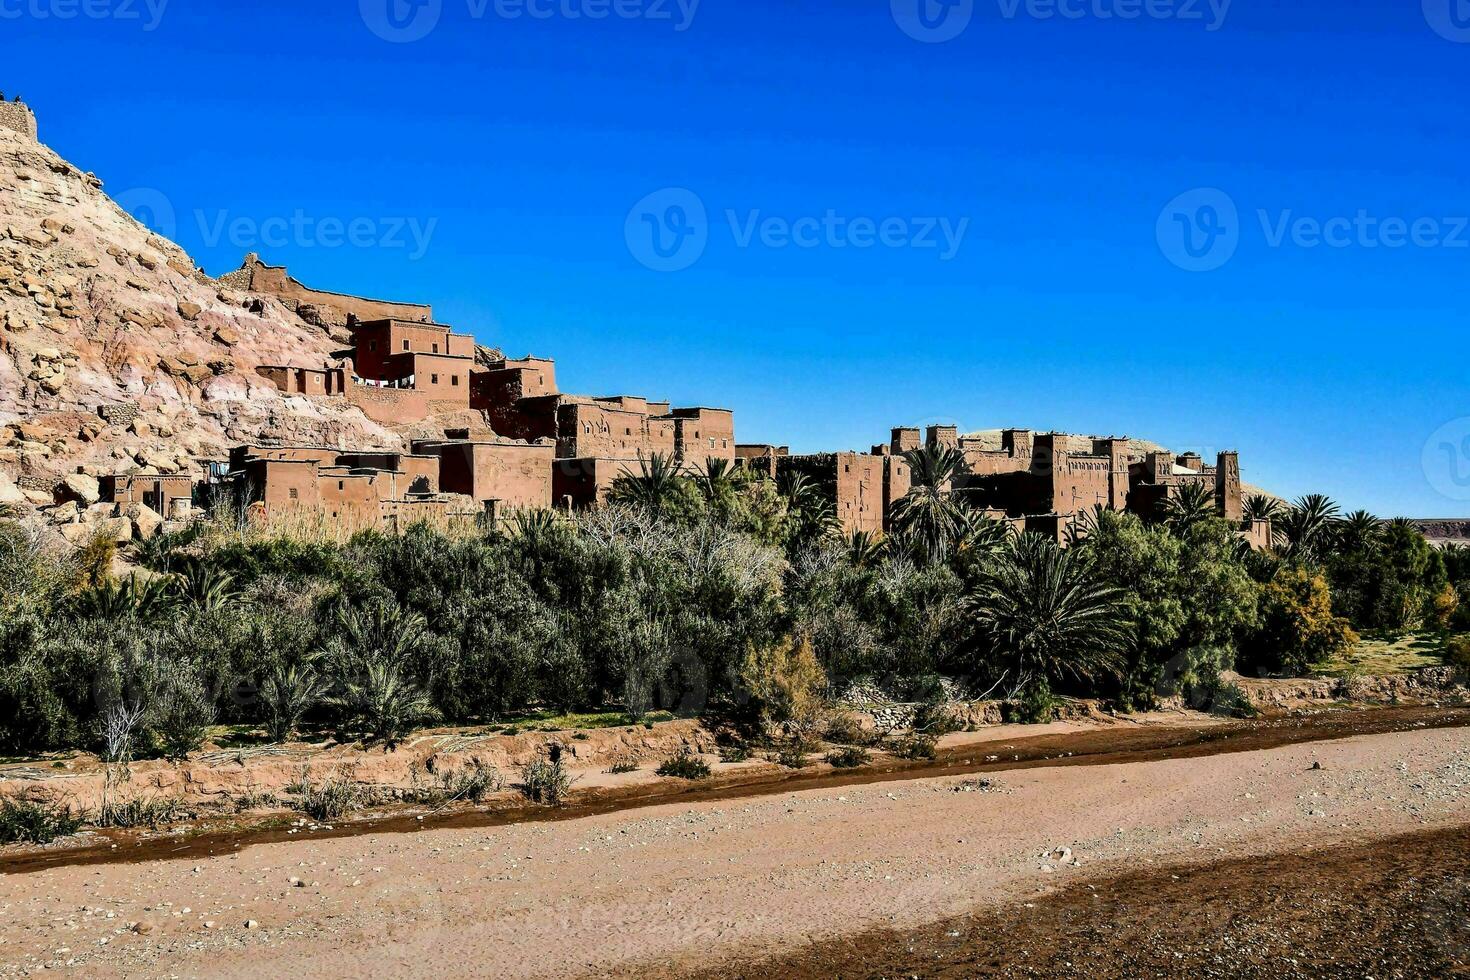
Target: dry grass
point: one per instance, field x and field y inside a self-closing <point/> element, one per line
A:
<point x="1387" y="655"/>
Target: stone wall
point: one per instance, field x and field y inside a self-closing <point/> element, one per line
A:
<point x="17" y="116"/>
<point x="332" y="308"/>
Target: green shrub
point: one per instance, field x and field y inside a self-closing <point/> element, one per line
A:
<point x="35" y="823"/>
<point x="685" y="765"/>
<point x="152" y="813"/>
<point x="1457" y="651"/>
<point x="847" y="730"/>
<point x="916" y="747"/>
<point x="1034" y="706"/>
<point x="850" y="757"/>
<point x="546" y="781"/>
<point x="792" y="755"/>
<point x="739" y="752"/>
<point x="334" y="798"/>
<point x="180" y="711"/>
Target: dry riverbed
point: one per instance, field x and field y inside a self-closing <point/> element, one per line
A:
<point x="727" y="884"/>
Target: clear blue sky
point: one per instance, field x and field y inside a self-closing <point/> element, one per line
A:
<point x="1057" y="143"/>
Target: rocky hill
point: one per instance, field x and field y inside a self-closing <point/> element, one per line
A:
<point x="118" y="354"/>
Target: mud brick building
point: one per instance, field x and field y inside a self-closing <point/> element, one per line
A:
<point x="532" y="445"/>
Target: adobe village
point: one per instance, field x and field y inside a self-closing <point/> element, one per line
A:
<point x="333" y="642"/>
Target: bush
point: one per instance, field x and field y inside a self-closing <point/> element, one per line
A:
<point x="1457" y="652"/>
<point x="180" y="711"/>
<point x="847" y="730"/>
<point x="473" y="783"/>
<point x="850" y="757"/>
<point x="333" y="799"/>
<point x="1035" y="706"/>
<point x="152" y="813"/>
<point x="546" y="781"/>
<point x="35" y="823"/>
<point x="792" y="755"/>
<point x="786" y="686"/>
<point x="739" y="752"/>
<point x="916" y="747"/>
<point x="685" y="765"/>
<point x="625" y="766"/>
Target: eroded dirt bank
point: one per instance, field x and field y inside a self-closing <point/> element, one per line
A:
<point x="715" y="883"/>
<point x="989" y="751"/>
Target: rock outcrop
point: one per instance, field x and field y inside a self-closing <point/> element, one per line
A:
<point x="117" y="354"/>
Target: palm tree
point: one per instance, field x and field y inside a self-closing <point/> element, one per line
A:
<point x="367" y="658"/>
<point x="815" y="511"/>
<point x="654" y="487"/>
<point x="984" y="536"/>
<point x="864" y="549"/>
<point x="1357" y="531"/>
<point x="930" y="515"/>
<point x="1306" y="526"/>
<point x="132" y="596"/>
<point x="289" y="693"/>
<point x="1192" y="504"/>
<point x="1259" y="507"/>
<point x="1047" y="614"/>
<point x="385" y="703"/>
<point x="717" y="482"/>
<point x="204" y="586"/>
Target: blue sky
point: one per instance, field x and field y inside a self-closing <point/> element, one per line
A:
<point x="501" y="167"/>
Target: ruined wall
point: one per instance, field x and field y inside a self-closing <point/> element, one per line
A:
<point x="515" y="474"/>
<point x="701" y="434"/>
<point x="154" y="492"/>
<point x="1228" y="498"/>
<point x="274" y="280"/>
<point x="586" y="482"/>
<point x="17" y="116"/>
<point x="593" y="430"/>
<point x="389" y="406"/>
<point x="896" y="482"/>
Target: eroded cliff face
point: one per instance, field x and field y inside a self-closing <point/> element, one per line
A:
<point x="118" y="354"/>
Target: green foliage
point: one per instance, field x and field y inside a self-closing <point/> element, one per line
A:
<point x="331" y="799"/>
<point x="546" y="781"/>
<point x="1034" y="705"/>
<point x="848" y="757"/>
<point x="685" y="765"/>
<point x="1457" y="652"/>
<point x="1298" y="628"/>
<point x="35" y="823"/>
<point x="916" y="747"/>
<point x="288" y="693"/>
<point x="1048" y="613"/>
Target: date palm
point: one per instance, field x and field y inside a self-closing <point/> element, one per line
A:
<point x="930" y="515"/>
<point x="1307" y="526"/>
<point x="1047" y="615"/>
<point x="655" y="486"/>
<point x="1259" y="507"/>
<point x="1357" y="531"/>
<point x="1191" y="504"/>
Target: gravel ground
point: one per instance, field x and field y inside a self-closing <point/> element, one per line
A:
<point x="674" y="888"/>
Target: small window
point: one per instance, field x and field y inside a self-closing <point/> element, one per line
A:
<point x="341" y="484"/>
<point x="433" y="379"/>
<point x="294" y="493"/>
<point x="405" y="345"/>
<point x="436" y="348"/>
<point x="454" y="380"/>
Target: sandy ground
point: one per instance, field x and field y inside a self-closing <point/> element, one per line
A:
<point x="685" y="887"/>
